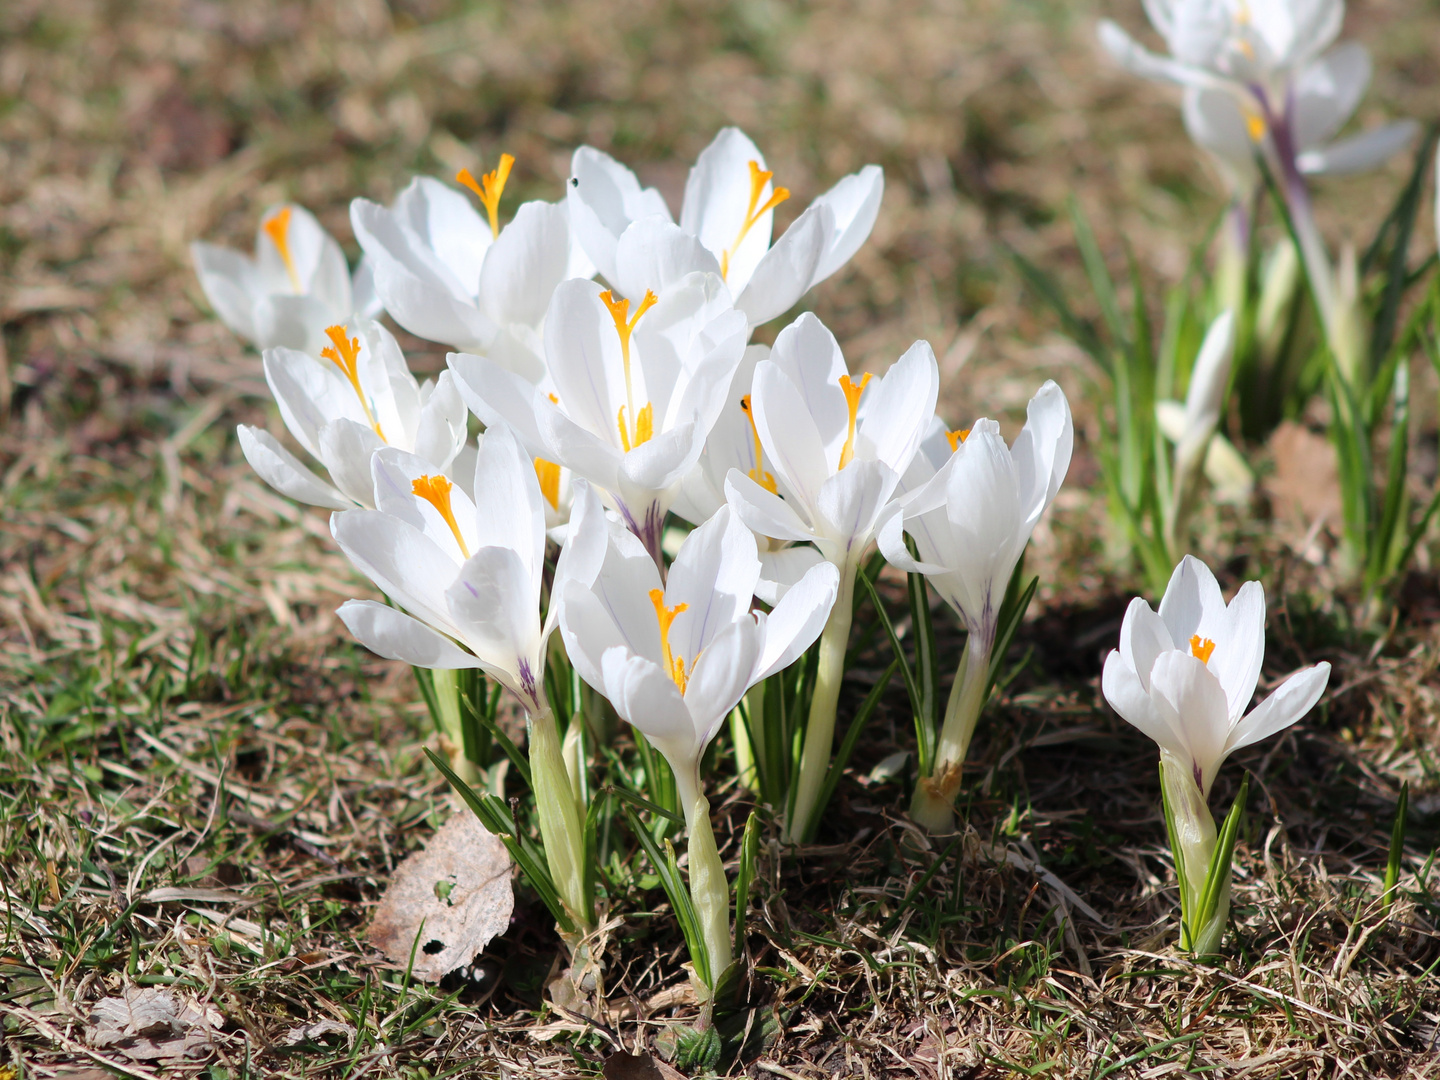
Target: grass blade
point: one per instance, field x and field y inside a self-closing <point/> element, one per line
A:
<point x="744" y="876"/>
<point x="1397" y="847"/>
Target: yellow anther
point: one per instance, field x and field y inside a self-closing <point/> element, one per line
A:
<point x="277" y="227"/>
<point x="344" y="353"/>
<point x="758" y="473"/>
<point x="489" y="189"/>
<point x="674" y="665"/>
<point x="852" y="404"/>
<point x="956" y="437"/>
<point x="1201" y="648"/>
<point x="548" y="474"/>
<point x="642" y="423"/>
<point x="436" y="491"/>
<point x="1255" y="125"/>
<point x="754" y="212"/>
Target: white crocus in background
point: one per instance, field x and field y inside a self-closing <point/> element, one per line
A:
<point x="725" y="226"/>
<point x="468" y="576"/>
<point x="1196" y="437"/>
<point x="295" y="285"/>
<point x="674" y="658"/>
<point x="839" y="447"/>
<point x="1255" y="74"/>
<point x="1185" y="677"/>
<point x="357" y="396"/>
<point x="447" y="274"/>
<point x="637" y="388"/>
<point x="971" y="522"/>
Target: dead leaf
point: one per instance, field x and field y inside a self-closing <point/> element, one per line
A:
<point x="1306" y="483"/>
<point x="317" y="1032"/>
<point x="458" y="888"/>
<point x="148" y="1024"/>
<point x="642" y="1066"/>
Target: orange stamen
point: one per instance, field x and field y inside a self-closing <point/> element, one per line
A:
<point x="642" y="423"/>
<point x="436" y="491"/>
<point x="277" y="227"/>
<point x="345" y="354"/>
<point x="1255" y="125"/>
<point x="489" y="189"/>
<point x="1201" y="648"/>
<point x="852" y="403"/>
<point x="753" y="213"/>
<point x="758" y="473"/>
<point x="674" y="665"/>
<point x="549" y="475"/>
<point x="956" y="437"/>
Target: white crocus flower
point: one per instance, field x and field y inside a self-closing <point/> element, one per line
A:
<point x="1260" y="64"/>
<point x="971" y="522"/>
<point x="294" y="286"/>
<point x="1204" y="403"/>
<point x="468" y="576"/>
<point x="447" y="274"/>
<point x="356" y="397"/>
<point x="725" y="226"/>
<point x="839" y="448"/>
<point x="1185" y="677"/>
<point x="674" y="658"/>
<point x="637" y="388"/>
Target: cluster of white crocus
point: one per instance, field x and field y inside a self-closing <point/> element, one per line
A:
<point x="1259" y="84"/>
<point x="1185" y="677"/>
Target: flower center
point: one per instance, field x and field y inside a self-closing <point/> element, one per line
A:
<point x="277" y="227"/>
<point x="956" y="437"/>
<point x="852" y="392"/>
<point x="345" y="354"/>
<point x="1201" y="648"/>
<point x="489" y="189"/>
<point x="758" y="473"/>
<point x="754" y="212"/>
<point x="436" y="491"/>
<point x="642" y="424"/>
<point x="674" y="665"/>
<point x="549" y="475"/>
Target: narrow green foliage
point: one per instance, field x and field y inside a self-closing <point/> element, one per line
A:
<point x="925" y="726"/>
<point x="847" y="744"/>
<point x="1217" y="877"/>
<point x="744" y="877"/>
<point x="678" y="893"/>
<point x="1397" y="847"/>
<point x="1012" y="614"/>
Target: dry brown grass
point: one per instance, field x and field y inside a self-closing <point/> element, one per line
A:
<point x="182" y="710"/>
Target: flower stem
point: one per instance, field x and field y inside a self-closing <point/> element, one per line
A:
<point x="561" y="828"/>
<point x="820" y="729"/>
<point x="1193" y="847"/>
<point x="933" y="803"/>
<point x="709" y="891"/>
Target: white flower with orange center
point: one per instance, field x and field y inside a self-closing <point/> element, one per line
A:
<point x="447" y="273"/>
<point x="726" y="225"/>
<point x="1185" y="676"/>
<point x="342" y="405"/>
<point x="295" y="285"/>
<point x="837" y="448"/>
<point x="632" y="391"/>
<point x="675" y="657"/>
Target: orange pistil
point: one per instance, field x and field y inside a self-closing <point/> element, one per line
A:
<point x="956" y="437"/>
<point x="549" y="475"/>
<point x="345" y="354"/>
<point x="1201" y="648"/>
<point x="754" y="212"/>
<point x="436" y="491"/>
<point x="277" y="227"/>
<point x="852" y="403"/>
<point x="674" y="665"/>
<point x="758" y="473"/>
<point x="489" y="189"/>
<point x="642" y="424"/>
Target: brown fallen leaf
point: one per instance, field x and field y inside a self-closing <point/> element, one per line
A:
<point x="1305" y="486"/>
<point x="642" y="1066"/>
<point x="149" y="1024"/>
<point x="458" y="888"/>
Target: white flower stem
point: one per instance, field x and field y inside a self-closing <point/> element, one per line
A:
<point x="709" y="891"/>
<point x="445" y="685"/>
<point x="933" y="804"/>
<point x="820" y="728"/>
<point x="561" y="824"/>
<point x="1195" y="839"/>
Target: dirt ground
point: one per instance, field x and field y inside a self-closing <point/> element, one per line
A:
<point x="180" y="709"/>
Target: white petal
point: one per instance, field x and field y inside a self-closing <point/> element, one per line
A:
<point x="786" y="271"/>
<point x="763" y="511"/>
<point x="855" y="202"/>
<point x="494" y="603"/>
<point x="646" y="697"/>
<point x="781" y="570"/>
<point x="604" y="197"/>
<point x="1042" y="450"/>
<point x="798" y="619"/>
<point x="789" y="433"/>
<point x="1295" y="697"/>
<point x="851" y="501"/>
<point x="230" y="282"/>
<point x="1359" y="153"/>
<point x="346" y="448"/>
<point x="525" y="263"/>
<point x="1189" y="698"/>
<point x="1326" y="94"/>
<point x="1131" y="700"/>
<point x="396" y="636"/>
<point x="401" y="560"/>
<point x="896" y="413"/>
<point x="497" y="395"/>
<point x="1140" y="61"/>
<point x="441" y="429"/>
<point x="720" y="677"/>
<point x="717" y="199"/>
<point x="1192" y="598"/>
<point x="714" y="576"/>
<point x="582" y="554"/>
<point x="656" y="254"/>
<point x="1143" y="638"/>
<point x="807" y="352"/>
<point x="284" y="472"/>
<point x="509" y="510"/>
<point x="1240" y="647"/>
